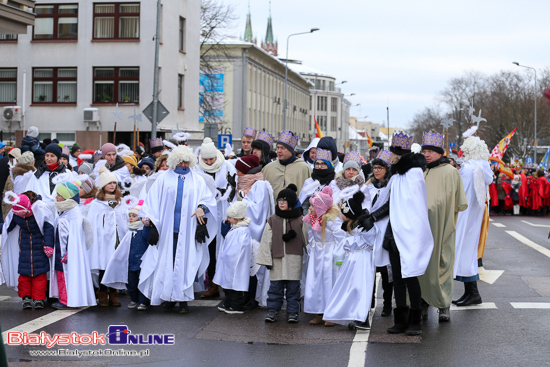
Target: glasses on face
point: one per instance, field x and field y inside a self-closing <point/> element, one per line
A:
<point x="321" y="164"/>
<point x="281" y="200"/>
<point x="377" y="168"/>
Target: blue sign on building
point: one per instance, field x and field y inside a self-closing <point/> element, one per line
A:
<point x="224" y="139"/>
<point x="529" y="160"/>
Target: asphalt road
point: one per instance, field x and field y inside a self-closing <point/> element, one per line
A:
<point x="509" y="329"/>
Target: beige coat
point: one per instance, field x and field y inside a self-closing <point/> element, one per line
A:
<point x="280" y="176"/>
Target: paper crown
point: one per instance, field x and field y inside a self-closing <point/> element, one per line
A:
<point x="97" y="156"/>
<point x="65" y="150"/>
<point x="434" y="139"/>
<point x="267" y="137"/>
<point x="385" y="155"/>
<point x="402" y="140"/>
<point x="288" y="138"/>
<point x="250" y="132"/>
<point x="322" y="154"/>
<point x="156" y="142"/>
<point x="353" y="156"/>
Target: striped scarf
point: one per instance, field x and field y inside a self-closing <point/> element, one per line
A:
<point x="244" y="184"/>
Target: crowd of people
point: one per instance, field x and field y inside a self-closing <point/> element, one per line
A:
<point x="261" y="226"/>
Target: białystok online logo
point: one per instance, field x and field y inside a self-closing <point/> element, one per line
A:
<point x="116" y="335"/>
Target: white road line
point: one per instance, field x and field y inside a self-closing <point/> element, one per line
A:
<point x="4" y="298"/>
<point x="483" y="306"/>
<point x="528" y="242"/>
<point x="536" y="225"/>
<point x="531" y="305"/>
<point x="42" y="322"/>
<point x="499" y="225"/>
<point x="490" y="220"/>
<point x="489" y="276"/>
<point x="204" y="303"/>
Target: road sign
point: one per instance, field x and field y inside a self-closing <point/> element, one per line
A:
<point x="452" y="144"/>
<point x="224" y="139"/>
<point x="162" y="112"/>
<point x="529" y="160"/>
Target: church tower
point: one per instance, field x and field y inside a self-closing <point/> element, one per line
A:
<point x="248" y="30"/>
<point x="268" y="44"/>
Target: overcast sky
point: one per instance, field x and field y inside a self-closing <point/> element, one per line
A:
<point x="401" y="53"/>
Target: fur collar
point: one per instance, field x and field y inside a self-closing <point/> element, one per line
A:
<point x="408" y="161"/>
<point x="21" y="168"/>
<point x="342" y="182"/>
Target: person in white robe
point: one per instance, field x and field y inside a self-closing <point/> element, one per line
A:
<point x="476" y="176"/>
<point x="183" y="212"/>
<point x="113" y="162"/>
<point x="351" y="175"/>
<point x="160" y="166"/>
<point x="309" y="153"/>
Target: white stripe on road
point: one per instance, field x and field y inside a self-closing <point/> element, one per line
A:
<point x="536" y="225"/>
<point x="490" y="220"/>
<point x="528" y="242"/>
<point x="499" y="225"/>
<point x="532" y="305"/>
<point x="489" y="276"/>
<point x="483" y="306"/>
<point x="42" y="321"/>
<point x="4" y="298"/>
<point x="205" y="303"/>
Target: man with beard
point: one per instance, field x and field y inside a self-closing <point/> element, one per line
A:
<point x="446" y="197"/>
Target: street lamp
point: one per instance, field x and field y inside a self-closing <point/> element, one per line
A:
<point x="286" y="72"/>
<point x="535" y="70"/>
<point x="342" y="82"/>
<point x="349" y="95"/>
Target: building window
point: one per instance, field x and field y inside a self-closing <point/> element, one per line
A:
<point x="56" y="22"/>
<point x="54" y="85"/>
<point x="321" y="103"/>
<point x="331" y="86"/>
<point x="8" y="86"/>
<point x="333" y="123"/>
<point x="116" y="21"/>
<point x="8" y="37"/>
<point x="334" y="104"/>
<point x="182" y="34"/>
<point x="317" y="84"/>
<point x="322" y="121"/>
<point x="113" y="85"/>
<point x="66" y="137"/>
<point x="181" y="79"/>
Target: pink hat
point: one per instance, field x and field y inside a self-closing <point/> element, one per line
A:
<point x="107" y="148"/>
<point x="322" y="201"/>
<point x="23" y="207"/>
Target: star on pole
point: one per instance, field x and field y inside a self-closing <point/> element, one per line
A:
<point x="447" y="123"/>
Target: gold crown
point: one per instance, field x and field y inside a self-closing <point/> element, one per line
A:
<point x="402" y="140"/>
<point x="433" y="139"/>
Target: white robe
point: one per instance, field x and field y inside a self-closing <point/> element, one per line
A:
<point x="259" y="206"/>
<point x="41" y="186"/>
<point x="409" y="221"/>
<point x="234" y="259"/>
<point x="350" y="299"/>
<point x="116" y="272"/>
<point x="78" y="278"/>
<point x="468" y="228"/>
<point x="161" y="279"/>
<point x="21" y="182"/>
<point x="148" y="184"/>
<point x="381" y="256"/>
<point x="322" y="269"/>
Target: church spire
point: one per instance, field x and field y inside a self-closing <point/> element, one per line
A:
<point x="248" y="37"/>
<point x="270" y="45"/>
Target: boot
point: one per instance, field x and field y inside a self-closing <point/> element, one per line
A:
<point x="415" y="323"/>
<point x="473" y="298"/>
<point x="103" y="301"/>
<point x="317" y="320"/>
<point x="113" y="301"/>
<point x="212" y="292"/>
<point x="401" y="320"/>
<point x="466" y="292"/>
<point x="388" y="293"/>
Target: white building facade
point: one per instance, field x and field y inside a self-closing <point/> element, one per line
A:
<point x="97" y="54"/>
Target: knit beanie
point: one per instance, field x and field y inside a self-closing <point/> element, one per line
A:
<point x="322" y="201"/>
<point x="32" y="132"/>
<point x="54" y="149"/>
<point x="136" y="209"/>
<point x="236" y="210"/>
<point x="86" y="185"/>
<point x="352" y="164"/>
<point x="86" y="168"/>
<point x="353" y="207"/>
<point x="208" y="149"/>
<point x="131" y="159"/>
<point x="107" y="148"/>
<point x="74" y="148"/>
<point x="15" y="153"/>
<point x="246" y="163"/>
<point x="289" y="194"/>
<point x="23" y="207"/>
<point x="26" y="158"/>
<point x="327" y="143"/>
<point x="105" y="177"/>
<point x="68" y="190"/>
<point x="147" y="162"/>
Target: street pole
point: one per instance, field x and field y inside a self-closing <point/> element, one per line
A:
<point x="535" y="70"/>
<point x="388" y="114"/>
<point x="286" y="72"/>
<point x="156" y="75"/>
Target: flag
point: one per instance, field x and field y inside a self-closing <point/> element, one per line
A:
<point x="370" y="140"/>
<point x="544" y="161"/>
<point x="498" y="153"/>
<point x="318" y="132"/>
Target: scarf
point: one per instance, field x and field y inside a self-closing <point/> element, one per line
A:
<point x="342" y="182"/>
<point x="438" y="162"/>
<point x="288" y="161"/>
<point x="63" y="206"/>
<point x="136" y="226"/>
<point x="245" y="182"/>
<point x="288" y="214"/>
<point x="324" y="176"/>
<point x="215" y="167"/>
<point x="314" y="221"/>
<point x="52" y="167"/>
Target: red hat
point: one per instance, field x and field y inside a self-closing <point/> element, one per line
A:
<point x="246" y="163"/>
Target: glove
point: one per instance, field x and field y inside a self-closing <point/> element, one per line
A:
<point x="366" y="222"/>
<point x="232" y="195"/>
<point x="48" y="251"/>
<point x="226" y="226"/>
<point x="202" y="232"/>
<point x="64" y="259"/>
<point x="154" y="235"/>
<point x="231" y="180"/>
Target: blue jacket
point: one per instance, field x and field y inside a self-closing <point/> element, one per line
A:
<point x="138" y="246"/>
<point x="32" y="259"/>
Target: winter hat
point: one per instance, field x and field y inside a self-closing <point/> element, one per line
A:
<point x="147" y="162"/>
<point x="236" y="210"/>
<point x="86" y="185"/>
<point x="22" y="206"/>
<point x="15" y="153"/>
<point x="131" y="159"/>
<point x="208" y="149"/>
<point x="322" y="201"/>
<point x="327" y="143"/>
<point x="107" y="148"/>
<point x="105" y="177"/>
<point x="86" y="168"/>
<point x="74" y="148"/>
<point x="26" y="158"/>
<point x="32" y="132"/>
<point x="246" y="163"/>
<point x="68" y="190"/>
<point x="54" y="149"/>
<point x="352" y="160"/>
<point x="65" y="156"/>
<point x="289" y="194"/>
<point x="136" y="209"/>
<point x="353" y="207"/>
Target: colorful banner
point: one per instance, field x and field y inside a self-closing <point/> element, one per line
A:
<point x="370" y="140"/>
<point x="318" y="132"/>
<point x="544" y="161"/>
<point x="498" y="153"/>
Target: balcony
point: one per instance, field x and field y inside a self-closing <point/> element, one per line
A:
<point x="16" y="15"/>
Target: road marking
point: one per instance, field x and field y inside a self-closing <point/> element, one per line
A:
<point x="490" y="220"/>
<point x="536" y="225"/>
<point x="532" y="305"/>
<point x="489" y="276"/>
<point x="483" y="306"/>
<point x="528" y="242"/>
<point x="499" y="225"/>
<point x="42" y="322"/>
<point x="204" y="303"/>
<point x="4" y="298"/>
